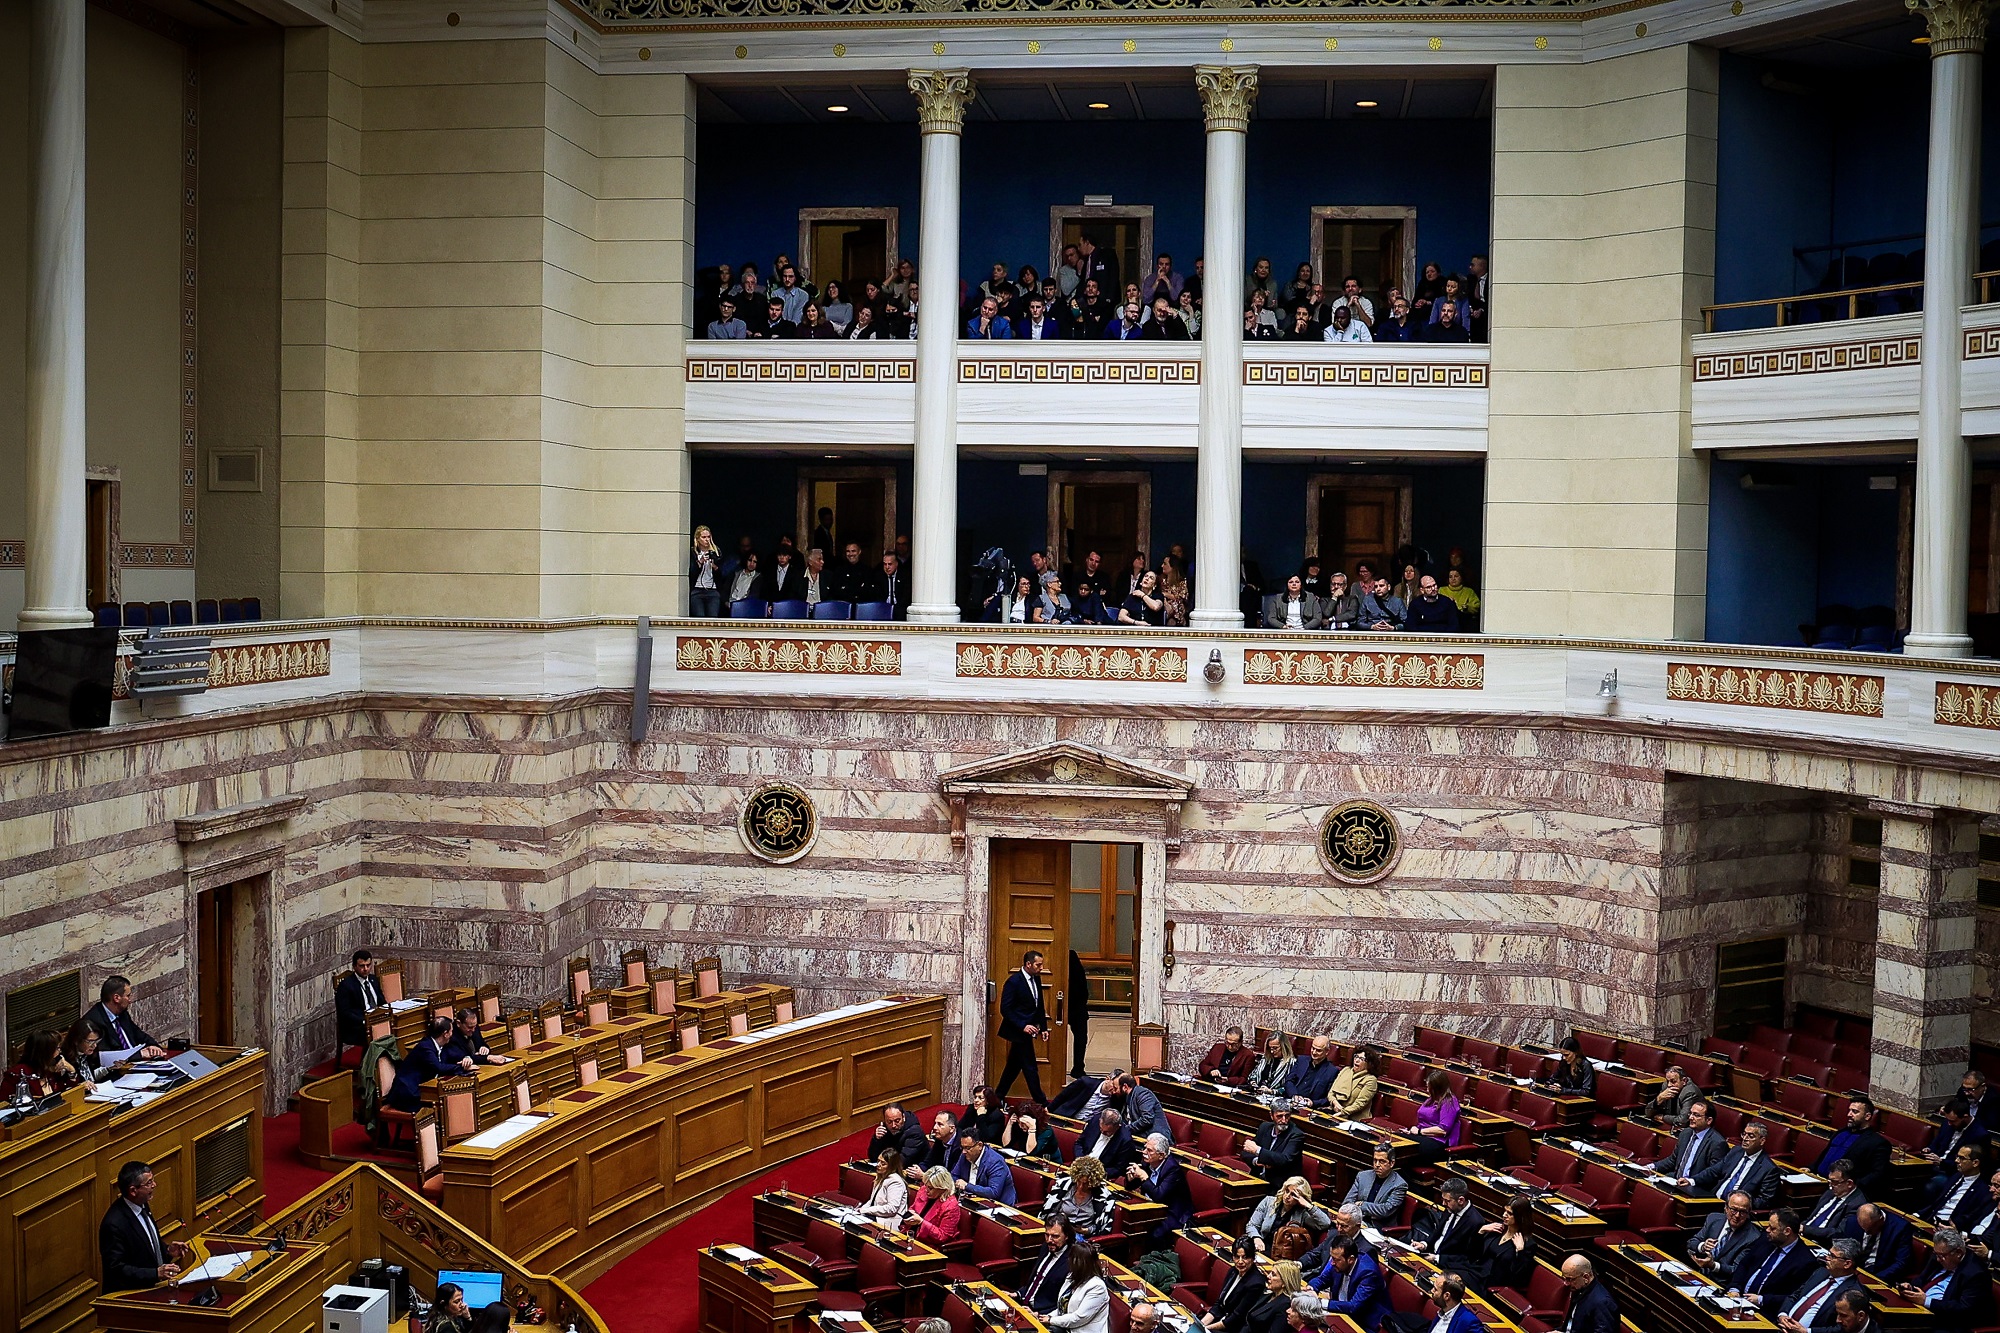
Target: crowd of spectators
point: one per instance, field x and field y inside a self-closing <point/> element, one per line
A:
<point x="1085" y="298"/>
<point x="1418" y="599"/>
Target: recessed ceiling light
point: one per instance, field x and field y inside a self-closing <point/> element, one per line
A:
<point x="836" y="108"/>
<point x="1100" y="106"/>
<point x="1367" y="104"/>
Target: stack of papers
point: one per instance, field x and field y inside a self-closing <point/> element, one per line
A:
<point x="222" y="1265"/>
<point x="136" y="1082"/>
<point x="742" y="1253"/>
<point x="404" y="1006"/>
<point x="513" y="1127"/>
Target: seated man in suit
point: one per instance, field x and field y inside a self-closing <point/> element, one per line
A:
<point x="1042" y="1288"/>
<point x="1774" y="1268"/>
<point x="1141" y="1108"/>
<point x="1107" y="1139"/>
<point x="1279" y="1148"/>
<point x="1830" y="1215"/>
<point x="982" y="1171"/>
<point x="1347" y="1226"/>
<point x="356" y="994"/>
<point x="1726" y="1236"/>
<point x="468" y="1044"/>
<point x="1813" y="1305"/>
<point x="1860" y="1144"/>
<point x="1161" y="1178"/>
<point x="1982" y="1235"/>
<point x="134" y="1257"/>
<point x="1854" y="1312"/>
<point x="899" y="1132"/>
<point x="1449" y="1233"/>
<point x="1965" y="1200"/>
<point x="1228" y="1061"/>
<point x="427" y="1060"/>
<point x="1746" y="1167"/>
<point x="1311" y="1076"/>
<point x="1447" y="1294"/>
<point x="119" y="1036"/>
<point x="1592" y="1308"/>
<point x="1671" y="1106"/>
<point x="1379" y="1190"/>
<point x="1697" y="1147"/>
<point x="1956" y="1289"/>
<point x="1885" y="1241"/>
<point x="1956" y="1129"/>
<point x="1353" y="1284"/>
<point x="940" y="1145"/>
<point x="1083" y="1095"/>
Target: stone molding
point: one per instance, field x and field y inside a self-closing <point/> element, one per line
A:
<point x="212" y="824"/>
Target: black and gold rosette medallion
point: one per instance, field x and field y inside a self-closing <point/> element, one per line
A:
<point x="1359" y="842"/>
<point x="778" y="823"/>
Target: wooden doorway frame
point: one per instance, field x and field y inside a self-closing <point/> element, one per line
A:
<point x="266" y="867"/>
<point x="1325" y="213"/>
<point x="1060" y="213"/>
<point x="1319" y="481"/>
<point x="1058" y="479"/>
<point x="802" y="260"/>
<point x="809" y="475"/>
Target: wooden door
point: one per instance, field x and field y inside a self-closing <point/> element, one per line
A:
<point x="215" y="935"/>
<point x="98" y="527"/>
<point x="1103" y="518"/>
<point x="1030" y="895"/>
<point x="857" y="517"/>
<point x="1358" y="523"/>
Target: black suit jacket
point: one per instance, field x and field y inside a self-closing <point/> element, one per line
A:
<point x="1596" y="1311"/>
<point x="1761" y="1180"/>
<point x="1021" y="1006"/>
<point x="99" y="1019"/>
<point x="1967" y="1303"/>
<point x="1892" y="1247"/>
<point x="1869" y="1152"/>
<point x="350" y="1010"/>
<point x="1795" y="1268"/>
<point x="1464" y="1250"/>
<point x="1977" y="1203"/>
<point x="1713" y="1147"/>
<point x="1043" y="1300"/>
<point x="1825" y="1317"/>
<point x="1819" y="1233"/>
<point x="912" y="1143"/>
<point x="1117" y="1155"/>
<point x="1280" y="1155"/>
<point x="1241" y="1293"/>
<point x="127" y="1251"/>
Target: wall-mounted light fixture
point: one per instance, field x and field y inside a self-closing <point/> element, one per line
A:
<point x="1167" y="958"/>
<point x="1608" y="687"/>
<point x="1214" y="673"/>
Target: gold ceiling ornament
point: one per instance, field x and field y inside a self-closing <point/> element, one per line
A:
<point x="1227" y="94"/>
<point x="1955" y="25"/>
<point x="1130" y="46"/>
<point x="778" y="823"/>
<point x="941" y="96"/>
<point x="616" y="12"/>
<point x="1359" y="842"/>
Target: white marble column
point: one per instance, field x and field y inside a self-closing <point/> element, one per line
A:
<point x="941" y="97"/>
<point x="56" y="534"/>
<point x="1941" y="540"/>
<point x="1227" y="94"/>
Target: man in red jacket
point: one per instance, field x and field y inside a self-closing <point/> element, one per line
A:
<point x="1228" y="1061"/>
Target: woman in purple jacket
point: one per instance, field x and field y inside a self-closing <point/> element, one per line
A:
<point x="1439" y="1127"/>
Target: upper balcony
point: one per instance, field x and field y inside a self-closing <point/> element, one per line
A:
<point x="1365" y="399"/>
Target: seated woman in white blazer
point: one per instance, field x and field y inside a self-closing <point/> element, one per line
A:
<point x="1085" y="1303"/>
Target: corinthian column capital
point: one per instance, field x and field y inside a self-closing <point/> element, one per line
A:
<point x="1227" y="94"/>
<point x="941" y="97"/>
<point x="1955" y="25"/>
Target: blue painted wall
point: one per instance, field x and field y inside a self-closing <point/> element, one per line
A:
<point x="1808" y="536"/>
<point x="751" y="181"/>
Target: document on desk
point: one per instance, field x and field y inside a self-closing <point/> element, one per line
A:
<point x="742" y="1254"/>
<point x="814" y="1020"/>
<point x="222" y="1265"/>
<point x="513" y="1127"/>
<point x="404" y="1006"/>
<point x="136" y="1082"/>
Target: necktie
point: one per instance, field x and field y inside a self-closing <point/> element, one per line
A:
<point x="118" y="1023"/>
<point x="1688" y="1153"/>
<point x="1763" y="1274"/>
<point x="1951" y="1200"/>
<point x="1826" y="1211"/>
<point x="1804" y="1310"/>
<point x="1042" y="1274"/>
<point x="1449" y="1220"/>
<point x="1868" y="1253"/>
<point x="152" y="1234"/>
<point x="1736" y="1177"/>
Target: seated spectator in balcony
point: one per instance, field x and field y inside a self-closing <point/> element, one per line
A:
<point x="1255" y="330"/>
<point x="1098" y="265"/>
<point x="1406" y="587"/>
<point x="785" y="581"/>
<point x="725" y="324"/>
<point x="1475" y="297"/>
<point x="1353" y="301"/>
<point x="865" y="326"/>
<point x="1341" y="607"/>
<point x="704" y="575"/>
<point x="1012" y="608"/>
<point x="815" y="584"/>
<point x="1122" y="587"/>
<point x="896" y="321"/>
<point x="1380" y="608"/>
<point x="1041" y="568"/>
<point x="790" y="295"/>
<point x="1174" y="589"/>
<point x="1091" y="313"/>
<point x="1131" y="294"/>
<point x="1429" y="288"/>
<point x="1040" y="325"/>
<point x="872" y="296"/>
<point x="994" y="281"/>
<point x="1190" y="311"/>
<point x="1267" y="314"/>
<point x="1162" y="281"/>
<point x="1054" y="607"/>
<point x="851" y="581"/>
<point x="1069" y="273"/>
<point x="1293" y="609"/>
<point x="834" y="305"/>
<point x="1027" y="283"/>
<point x="1164" y="324"/>
<point x="817" y="325"/>
<point x="1299" y="290"/>
<point x="747" y="581"/>
<point x="1088" y="603"/>
<point x="775" y="323"/>
<point x="1302" y="328"/>
<point x="1145" y="606"/>
<point x="1398" y="326"/>
<point x="1193" y="285"/>
<point x="898" y="286"/>
<point x="1452" y="295"/>
<point x="1446" y="329"/>
<point x="1129" y="327"/>
<point x="1261" y="280"/>
<point x="1092" y="569"/>
<point x="1346" y="328"/>
<point x="1461" y="593"/>
<point x="989" y="323"/>
<point x="893" y="585"/>
<point x="1430" y="613"/>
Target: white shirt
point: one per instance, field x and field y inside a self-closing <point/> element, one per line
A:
<point x="1292" y="618"/>
<point x="1361" y="303"/>
<point x="1355" y="332"/>
<point x="1812" y="1298"/>
<point x="1952" y="1197"/>
<point x="1035" y="333"/>
<point x="1443" y="1324"/>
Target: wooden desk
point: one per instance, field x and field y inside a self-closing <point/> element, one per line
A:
<point x="1324" y="1134"/>
<point x="1415" y="1268"/>
<point x="1491" y="1189"/>
<point x="993" y="1308"/>
<point x="59" y="1171"/>
<point x="612" y="1164"/>
<point x="1691" y="1209"/>
<point x="780" y="1216"/>
<point x="1661" y="1298"/>
<point x="741" y="1291"/>
<point x="276" y="1294"/>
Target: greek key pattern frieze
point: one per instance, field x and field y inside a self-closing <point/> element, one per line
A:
<point x="720" y="370"/>
<point x="1079" y="372"/>
<point x="1981" y="344"/>
<point x="1405" y="671"/>
<point x="1066" y="661"/>
<point x="1793" y="691"/>
<point x="1960" y="705"/>
<point x="1819" y="359"/>
<point x="803" y="657"/>
<point x="1364" y="375"/>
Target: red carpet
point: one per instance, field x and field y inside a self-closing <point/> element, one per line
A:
<point x="286" y="1178"/>
<point x="653" y="1290"/>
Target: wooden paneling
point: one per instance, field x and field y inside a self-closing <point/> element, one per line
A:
<point x="624" y="1169"/>
<point x="714" y="1132"/>
<point x="56" y="1259"/>
<point x="539" y="1212"/>
<point x="893" y="1073"/>
<point x="803" y="1099"/>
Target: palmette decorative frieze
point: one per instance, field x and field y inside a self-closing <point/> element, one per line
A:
<point x="1793" y="691"/>
<point x="620" y="12"/>
<point x="1409" y="671"/>
<point x="238" y="664"/>
<point x="1958" y="704"/>
<point x="1066" y="661"/>
<point x="805" y="657"/>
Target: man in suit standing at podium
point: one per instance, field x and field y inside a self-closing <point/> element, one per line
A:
<point x="1024" y="1019"/>
<point x="134" y="1256"/>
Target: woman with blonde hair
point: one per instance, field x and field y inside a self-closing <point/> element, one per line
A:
<point x="935" y="1213"/>
<point x="1282" y="1281"/>
<point x="1082" y="1198"/>
<point x="704" y="575"/>
<point x="1292" y="1205"/>
<point x="890" y="1198"/>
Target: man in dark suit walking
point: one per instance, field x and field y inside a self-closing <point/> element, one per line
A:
<point x="129" y="1244"/>
<point x="357" y="993"/>
<point x="1024" y="1019"/>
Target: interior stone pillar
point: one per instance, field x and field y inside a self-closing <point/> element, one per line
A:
<point x="55" y="420"/>
<point x="1227" y="94"/>
<point x="941" y="97"/>
<point x="1923" y="953"/>
<point x="1940" y="547"/>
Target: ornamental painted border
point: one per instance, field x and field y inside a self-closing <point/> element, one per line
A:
<point x="1387" y="865"/>
<point x="803" y="657"/>
<point x="231" y="665"/>
<point x="1408" y="671"/>
<point x="984" y="371"/>
<point x="1793" y="691"/>
<point x="1365" y="375"/>
<point x="1958" y="704"/>
<point x="619" y="13"/>
<point x="1066" y="661"/>
<point x="721" y="370"/>
<point x="774" y="856"/>
<point x="1818" y="359"/>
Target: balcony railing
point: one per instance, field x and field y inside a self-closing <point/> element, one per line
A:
<point x="1846" y="303"/>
